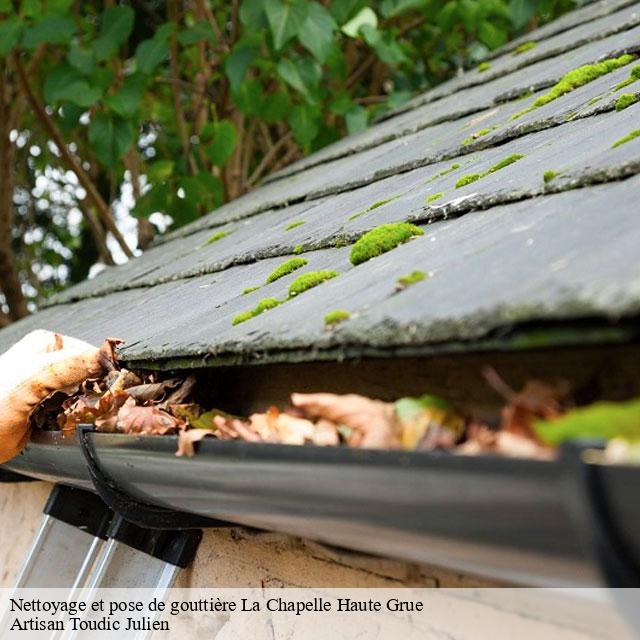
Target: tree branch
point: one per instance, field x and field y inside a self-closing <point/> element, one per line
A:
<point x="92" y="193"/>
<point x="172" y="10"/>
<point x="9" y="275"/>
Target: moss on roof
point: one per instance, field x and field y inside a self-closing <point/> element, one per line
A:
<point x="286" y="268"/>
<point x="382" y="239"/>
<point x="309" y="280"/>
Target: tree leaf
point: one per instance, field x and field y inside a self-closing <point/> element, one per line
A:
<point x="275" y="107"/>
<point x="52" y="29"/>
<point x="356" y="119"/>
<point x="150" y="53"/>
<point x="200" y="31"/>
<point x="521" y="12"/>
<point x="316" y="32"/>
<point x="116" y="24"/>
<point x="110" y="137"/>
<point x="299" y="76"/>
<point x="285" y="19"/>
<point x="491" y="35"/>
<point x="81" y="60"/>
<point x="10" y="31"/>
<point x="305" y="124"/>
<point x="238" y="61"/>
<point x="127" y="100"/>
<point x="65" y="84"/>
<point x="366" y="16"/>
<point x="222" y="139"/>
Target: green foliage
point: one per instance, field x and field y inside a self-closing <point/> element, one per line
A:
<point x="286" y="268"/>
<point x="309" y="280"/>
<point x="630" y="136"/>
<point x="626" y="100"/>
<point x="382" y="239"/>
<point x="605" y="420"/>
<point x="335" y="317"/>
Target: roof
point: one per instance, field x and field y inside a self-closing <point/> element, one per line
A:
<point x="505" y="251"/>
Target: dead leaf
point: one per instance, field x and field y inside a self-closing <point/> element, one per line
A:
<point x="428" y="422"/>
<point x="146" y="420"/>
<point x="536" y="400"/>
<point x="107" y="356"/>
<point x="186" y="440"/>
<point x="183" y="393"/>
<point x="373" y="421"/>
<point x="233" y="429"/>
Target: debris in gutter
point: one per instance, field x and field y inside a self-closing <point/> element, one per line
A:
<point x="533" y="422"/>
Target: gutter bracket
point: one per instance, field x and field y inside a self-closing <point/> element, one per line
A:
<point x="594" y="518"/>
<point x="132" y="510"/>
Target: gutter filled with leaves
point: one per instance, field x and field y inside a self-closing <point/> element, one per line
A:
<point x="414" y="479"/>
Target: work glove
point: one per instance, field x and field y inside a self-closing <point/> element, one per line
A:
<point x="36" y="366"/>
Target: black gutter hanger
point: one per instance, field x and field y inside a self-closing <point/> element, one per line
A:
<point x="529" y="522"/>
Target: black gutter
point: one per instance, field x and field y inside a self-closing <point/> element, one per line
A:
<point x="529" y="522"/>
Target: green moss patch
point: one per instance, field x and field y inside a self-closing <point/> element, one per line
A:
<point x="218" y="235"/>
<point x="484" y="66"/>
<point x="286" y="268"/>
<point x="634" y="75"/>
<point x="298" y="249"/>
<point x="630" y="136"/>
<point x="577" y="78"/>
<point x="505" y="162"/>
<point x="406" y="281"/>
<point x="435" y="196"/>
<point x="476" y="135"/>
<point x="309" y="280"/>
<point x="473" y="177"/>
<point x="294" y="225"/>
<point x="335" y="317"/>
<point x="249" y="290"/>
<point x="525" y="46"/>
<point x="454" y="167"/>
<point x="382" y="239"/>
<point x="262" y="306"/>
<point x="468" y="179"/>
<point x="625" y="100"/>
<point x="549" y="175"/>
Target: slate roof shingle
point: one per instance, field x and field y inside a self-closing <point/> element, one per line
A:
<point x="504" y="250"/>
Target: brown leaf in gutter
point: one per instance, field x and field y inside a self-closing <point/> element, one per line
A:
<point x="536" y="400"/>
<point x="372" y="421"/>
<point x="183" y="393"/>
<point x="186" y="440"/>
<point x="107" y="356"/>
<point x="154" y="391"/>
<point x="121" y="379"/>
<point x="44" y="415"/>
<point x="234" y="429"/>
<point x="146" y="420"/>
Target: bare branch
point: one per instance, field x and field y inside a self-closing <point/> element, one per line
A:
<point x="73" y="164"/>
